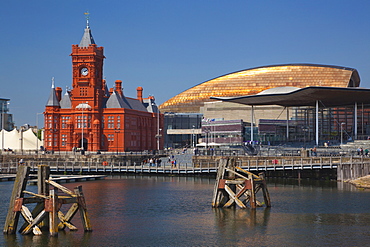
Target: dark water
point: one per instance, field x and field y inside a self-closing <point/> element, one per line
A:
<point x="176" y="211"/>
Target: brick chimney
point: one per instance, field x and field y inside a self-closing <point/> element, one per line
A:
<point x="58" y="92"/>
<point x="139" y="94"/>
<point x="119" y="87"/>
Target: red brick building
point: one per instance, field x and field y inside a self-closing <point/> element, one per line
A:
<point x="95" y="118"/>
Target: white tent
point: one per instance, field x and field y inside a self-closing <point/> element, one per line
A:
<point x="19" y="140"/>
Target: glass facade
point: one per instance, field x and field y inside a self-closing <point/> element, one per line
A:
<point x="225" y="132"/>
<point x="335" y="125"/>
<point x="187" y="123"/>
<point x="6" y="119"/>
<point x="253" y="81"/>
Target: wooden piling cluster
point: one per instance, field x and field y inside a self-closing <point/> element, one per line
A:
<point x="47" y="213"/>
<point x="236" y="186"/>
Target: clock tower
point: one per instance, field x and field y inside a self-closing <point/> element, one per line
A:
<point x="87" y="93"/>
<point x="91" y="117"/>
<point x="87" y="72"/>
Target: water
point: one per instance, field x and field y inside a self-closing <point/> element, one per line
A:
<point x="176" y="211"/>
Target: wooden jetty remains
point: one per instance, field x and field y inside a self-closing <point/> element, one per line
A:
<point x="236" y="186"/>
<point x="69" y="178"/>
<point x="47" y="212"/>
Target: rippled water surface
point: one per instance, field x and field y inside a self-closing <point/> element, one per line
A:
<point x="176" y="211"/>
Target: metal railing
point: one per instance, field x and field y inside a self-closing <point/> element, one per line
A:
<point x="197" y="166"/>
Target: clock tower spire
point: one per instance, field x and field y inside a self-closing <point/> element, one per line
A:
<point x="87" y="38"/>
<point x="87" y="71"/>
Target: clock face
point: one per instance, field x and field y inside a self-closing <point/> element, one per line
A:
<point x="84" y="71"/>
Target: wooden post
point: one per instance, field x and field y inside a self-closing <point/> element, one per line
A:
<point x="83" y="210"/>
<point x="236" y="186"/>
<point x="34" y="222"/>
<point x="65" y="219"/>
<point x="16" y="200"/>
<point x="29" y="219"/>
<point x="252" y="200"/>
<point x="53" y="213"/>
<point x="231" y="166"/>
<point x="220" y="175"/>
<point x="43" y="174"/>
<point x="266" y="194"/>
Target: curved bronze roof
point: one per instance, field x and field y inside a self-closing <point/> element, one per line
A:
<point x="255" y="80"/>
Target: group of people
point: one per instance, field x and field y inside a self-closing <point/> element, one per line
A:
<point x="361" y="151"/>
<point x="172" y="161"/>
<point x="156" y="162"/>
<point x="153" y="162"/>
<point x="313" y="151"/>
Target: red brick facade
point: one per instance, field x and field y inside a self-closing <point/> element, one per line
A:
<point x="96" y="117"/>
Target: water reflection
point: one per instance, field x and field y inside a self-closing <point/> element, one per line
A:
<point x="235" y="218"/>
<point x="140" y="210"/>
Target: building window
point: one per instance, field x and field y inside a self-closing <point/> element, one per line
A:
<point x="83" y="91"/>
<point x="82" y="122"/>
<point x="110" y="137"/>
<point x="110" y="122"/>
<point x="64" y="122"/>
<point x="64" y="140"/>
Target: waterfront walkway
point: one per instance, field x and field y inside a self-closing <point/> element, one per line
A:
<point x="348" y="167"/>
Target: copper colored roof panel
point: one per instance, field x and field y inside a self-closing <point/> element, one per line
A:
<point x="256" y="80"/>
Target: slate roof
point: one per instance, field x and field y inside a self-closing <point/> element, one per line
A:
<point x="53" y="100"/>
<point x="136" y="104"/>
<point x="87" y="38"/>
<point x="116" y="101"/>
<point x="65" y="103"/>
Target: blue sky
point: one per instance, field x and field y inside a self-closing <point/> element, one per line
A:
<point x="169" y="46"/>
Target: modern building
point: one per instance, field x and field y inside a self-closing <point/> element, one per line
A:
<point x="255" y="80"/>
<point x="219" y="132"/>
<point x="300" y="124"/>
<point x="6" y="119"/>
<point x="320" y="113"/>
<point x="94" y="118"/>
<point x="182" y="129"/>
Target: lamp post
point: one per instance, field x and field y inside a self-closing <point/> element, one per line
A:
<point x="116" y="130"/>
<point x="193" y="138"/>
<point x="304" y="129"/>
<point x="82" y="130"/>
<point x="158" y="135"/>
<point x="3" y="125"/>
<point x="341" y="133"/>
<point x="22" y="128"/>
<point x="37" y="131"/>
<point x="206" y="131"/>
<point x="84" y="105"/>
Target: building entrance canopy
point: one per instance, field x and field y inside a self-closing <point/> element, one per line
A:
<point x="308" y="96"/>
